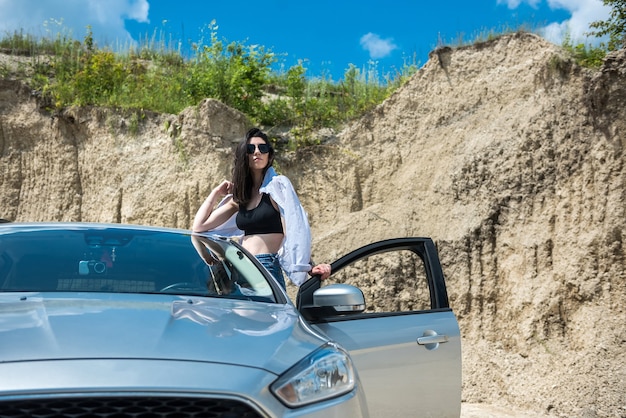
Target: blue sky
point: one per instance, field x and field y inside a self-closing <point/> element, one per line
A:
<point x="327" y="36"/>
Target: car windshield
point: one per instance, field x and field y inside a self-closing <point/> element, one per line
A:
<point x="116" y="259"/>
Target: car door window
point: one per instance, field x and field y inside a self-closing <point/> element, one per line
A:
<point x="391" y="282"/>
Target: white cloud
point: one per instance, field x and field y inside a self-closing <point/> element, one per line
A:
<point x="376" y="46"/>
<point x="71" y="17"/>
<point x="583" y="12"/>
<point x="512" y="4"/>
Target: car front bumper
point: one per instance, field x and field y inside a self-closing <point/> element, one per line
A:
<point x="105" y="387"/>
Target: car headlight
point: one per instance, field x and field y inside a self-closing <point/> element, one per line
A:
<point x="326" y="373"/>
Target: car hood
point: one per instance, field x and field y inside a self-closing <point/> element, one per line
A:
<point x="89" y="326"/>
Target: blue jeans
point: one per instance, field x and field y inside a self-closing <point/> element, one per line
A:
<point x="271" y="263"/>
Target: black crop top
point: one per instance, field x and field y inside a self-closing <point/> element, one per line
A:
<point x="264" y="219"/>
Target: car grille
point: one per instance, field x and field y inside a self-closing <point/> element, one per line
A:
<point x="131" y="407"/>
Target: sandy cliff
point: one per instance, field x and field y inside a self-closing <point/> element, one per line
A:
<point x="506" y="153"/>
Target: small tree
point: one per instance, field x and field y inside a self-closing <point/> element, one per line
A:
<point x="614" y="27"/>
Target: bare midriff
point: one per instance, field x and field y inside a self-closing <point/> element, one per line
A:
<point x="262" y="243"/>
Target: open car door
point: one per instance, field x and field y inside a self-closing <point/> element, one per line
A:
<point x="406" y="343"/>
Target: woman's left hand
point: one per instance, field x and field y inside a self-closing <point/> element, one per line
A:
<point x="322" y="269"/>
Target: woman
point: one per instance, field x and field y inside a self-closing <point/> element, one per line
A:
<point x="265" y="208"/>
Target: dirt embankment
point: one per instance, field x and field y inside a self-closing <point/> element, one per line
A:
<point x="506" y="153"/>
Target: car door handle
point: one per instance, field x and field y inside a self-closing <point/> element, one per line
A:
<point x="431" y="340"/>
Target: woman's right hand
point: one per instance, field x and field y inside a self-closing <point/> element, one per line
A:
<point x="224" y="188"/>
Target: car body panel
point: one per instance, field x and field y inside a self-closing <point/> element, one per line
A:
<point x="96" y="325"/>
<point x="401" y="377"/>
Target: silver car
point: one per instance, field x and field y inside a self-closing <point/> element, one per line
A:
<point x="110" y="320"/>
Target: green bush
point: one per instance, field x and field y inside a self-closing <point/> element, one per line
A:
<point x="232" y="73"/>
<point x="585" y="55"/>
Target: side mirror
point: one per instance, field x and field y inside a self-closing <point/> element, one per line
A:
<point x="343" y="298"/>
<point x="333" y="300"/>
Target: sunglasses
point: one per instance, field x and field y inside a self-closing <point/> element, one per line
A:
<point x="263" y="148"/>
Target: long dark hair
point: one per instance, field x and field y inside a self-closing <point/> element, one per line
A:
<point x="242" y="177"/>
